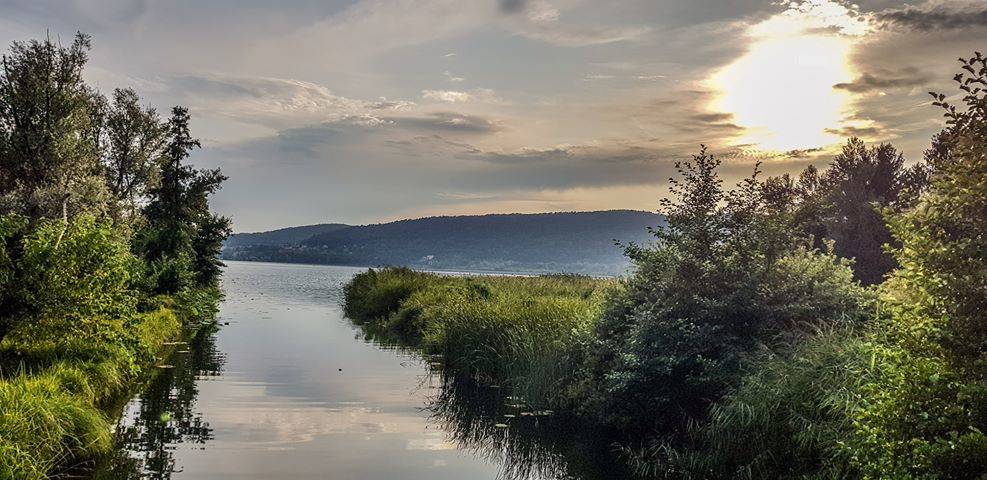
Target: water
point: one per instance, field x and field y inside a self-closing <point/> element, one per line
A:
<point x="290" y="389"/>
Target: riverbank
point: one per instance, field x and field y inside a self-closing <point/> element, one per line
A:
<point x="59" y="393"/>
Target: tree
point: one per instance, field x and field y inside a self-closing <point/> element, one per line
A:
<point x="846" y="202"/>
<point x="182" y="235"/>
<point x="134" y="139"/>
<point x="944" y="250"/>
<point x="48" y="159"/>
<point x="725" y="275"/>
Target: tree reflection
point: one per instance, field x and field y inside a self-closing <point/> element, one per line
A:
<point x="490" y="423"/>
<point x="164" y="416"/>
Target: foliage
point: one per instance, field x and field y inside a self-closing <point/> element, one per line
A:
<point x="923" y="412"/>
<point x="49" y="164"/>
<point x="724" y="277"/>
<point x="78" y="319"/>
<point x="785" y="419"/>
<point x="375" y="294"/>
<point x="134" y="139"/>
<point x="65" y="278"/>
<point x="844" y="203"/>
<point x="179" y="223"/>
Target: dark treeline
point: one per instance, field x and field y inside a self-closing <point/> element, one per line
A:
<point x="828" y="325"/>
<point x="107" y="250"/>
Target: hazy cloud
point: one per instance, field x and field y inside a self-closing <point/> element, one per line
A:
<point x="883" y="80"/>
<point x="356" y="110"/>
<point x="511" y="6"/>
<point x="935" y="17"/>
<point x="860" y="132"/>
<point x="453" y="96"/>
<point x="449" y="122"/>
<point x="277" y="102"/>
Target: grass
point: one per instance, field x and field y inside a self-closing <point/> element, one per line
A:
<point x="55" y="390"/>
<point x="498" y="329"/>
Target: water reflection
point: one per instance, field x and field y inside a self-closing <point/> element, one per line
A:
<point x="305" y="394"/>
<point x="164" y="415"/>
<point x="527" y="444"/>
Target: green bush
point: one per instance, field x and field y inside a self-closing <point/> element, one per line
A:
<point x="66" y="277"/>
<point x="724" y="277"/>
<point x="788" y="418"/>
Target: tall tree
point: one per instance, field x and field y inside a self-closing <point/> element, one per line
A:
<point x="845" y="204"/>
<point x="134" y="138"/>
<point x="48" y="159"/>
<point x="180" y="226"/>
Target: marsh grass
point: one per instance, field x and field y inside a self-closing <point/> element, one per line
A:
<point x="516" y="331"/>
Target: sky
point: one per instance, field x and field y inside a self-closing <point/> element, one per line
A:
<point x="364" y="111"/>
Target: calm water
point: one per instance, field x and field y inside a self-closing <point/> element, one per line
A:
<point x="290" y="389"/>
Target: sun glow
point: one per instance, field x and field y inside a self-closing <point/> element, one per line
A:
<point x="781" y="91"/>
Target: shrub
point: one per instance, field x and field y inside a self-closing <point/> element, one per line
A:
<point x="723" y="278"/>
<point x="71" y="277"/>
<point x="788" y="417"/>
<point x="514" y="330"/>
<point x="375" y="294"/>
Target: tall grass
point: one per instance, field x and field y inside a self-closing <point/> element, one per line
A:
<point x="55" y="389"/>
<point x="508" y="330"/>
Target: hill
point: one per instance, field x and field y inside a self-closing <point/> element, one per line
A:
<point x="281" y="236"/>
<point x="576" y="242"/>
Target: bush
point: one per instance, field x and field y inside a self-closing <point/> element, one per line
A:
<point x="723" y="278"/>
<point x="375" y="294"/>
<point x="788" y="417"/>
<point x="67" y="277"/>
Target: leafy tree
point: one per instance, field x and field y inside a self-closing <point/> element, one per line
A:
<point x="133" y="140"/>
<point x="944" y="250"/>
<point x="48" y="158"/>
<point x="845" y="203"/>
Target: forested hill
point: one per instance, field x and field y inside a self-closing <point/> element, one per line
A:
<point x="576" y="242"/>
<point x="282" y="236"/>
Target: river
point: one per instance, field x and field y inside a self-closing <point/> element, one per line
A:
<point x="288" y="388"/>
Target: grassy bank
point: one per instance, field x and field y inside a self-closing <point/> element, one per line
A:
<point x="519" y="331"/>
<point x="57" y="394"/>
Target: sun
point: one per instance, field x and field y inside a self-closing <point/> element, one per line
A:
<point x="781" y="90"/>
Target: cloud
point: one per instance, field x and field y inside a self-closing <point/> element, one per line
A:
<point x="276" y="102"/>
<point x="932" y="18"/>
<point x="511" y="6"/>
<point x="481" y="95"/>
<point x="449" y="122"/>
<point x="452" y="78"/>
<point x="884" y="80"/>
<point x="852" y="131"/>
<point x="545" y="23"/>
